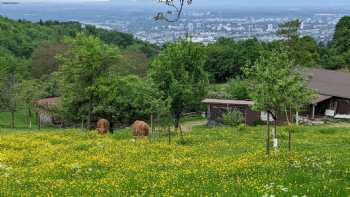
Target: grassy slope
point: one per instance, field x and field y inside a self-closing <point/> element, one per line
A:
<point x="213" y="161"/>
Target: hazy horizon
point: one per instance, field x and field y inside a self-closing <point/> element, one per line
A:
<point x="201" y="3"/>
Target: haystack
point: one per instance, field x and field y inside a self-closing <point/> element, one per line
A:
<point x="103" y="126"/>
<point x="140" y="129"/>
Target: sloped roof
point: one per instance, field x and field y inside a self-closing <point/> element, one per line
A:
<point x="321" y="98"/>
<point x="228" y="102"/>
<point x="47" y="101"/>
<point x="329" y="83"/>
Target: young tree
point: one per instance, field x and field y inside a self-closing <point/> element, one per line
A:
<point x="290" y="30"/>
<point x="179" y="74"/>
<point x="30" y="90"/>
<point x="87" y="60"/>
<point x="276" y="85"/>
<point x="303" y="50"/>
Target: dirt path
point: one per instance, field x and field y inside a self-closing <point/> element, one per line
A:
<point x="188" y="126"/>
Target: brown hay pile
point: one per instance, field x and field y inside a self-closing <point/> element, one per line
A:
<point x="140" y="129"/>
<point x="103" y="126"/>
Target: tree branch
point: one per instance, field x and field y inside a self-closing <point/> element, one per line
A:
<point x="177" y="7"/>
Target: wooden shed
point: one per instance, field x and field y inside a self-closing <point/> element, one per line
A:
<point x="217" y="107"/>
<point x="46" y="109"/>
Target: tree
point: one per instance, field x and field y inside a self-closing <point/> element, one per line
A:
<point x="124" y="99"/>
<point x="11" y="73"/>
<point x="303" y="50"/>
<point x="341" y="43"/>
<point x="87" y="60"/>
<point x="290" y="30"/>
<point x="341" y="39"/>
<point x="44" y="61"/>
<point x="226" y="57"/>
<point x="178" y="72"/>
<point x="238" y="89"/>
<point x="30" y="90"/>
<point x="276" y="85"/>
<point x="222" y="63"/>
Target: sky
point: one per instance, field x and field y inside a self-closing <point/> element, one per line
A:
<point x="218" y="2"/>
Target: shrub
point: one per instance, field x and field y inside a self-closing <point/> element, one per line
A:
<point x="233" y="117"/>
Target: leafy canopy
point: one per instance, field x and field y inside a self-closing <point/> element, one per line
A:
<point x="276" y="84"/>
<point x="87" y="60"/>
<point x="178" y="73"/>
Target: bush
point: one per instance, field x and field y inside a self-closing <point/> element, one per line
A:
<point x="237" y="89"/>
<point x="233" y="117"/>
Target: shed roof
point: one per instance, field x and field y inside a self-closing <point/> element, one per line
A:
<point x="321" y="98"/>
<point x="330" y="83"/>
<point x="48" y="101"/>
<point x="228" y="102"/>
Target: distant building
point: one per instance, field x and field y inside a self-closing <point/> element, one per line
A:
<point x="46" y="111"/>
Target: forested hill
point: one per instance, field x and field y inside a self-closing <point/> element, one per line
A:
<point x="22" y="37"/>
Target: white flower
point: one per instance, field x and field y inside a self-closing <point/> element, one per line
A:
<point x="285" y="189"/>
<point x="3" y="166"/>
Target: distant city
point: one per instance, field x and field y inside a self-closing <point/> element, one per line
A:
<point x="203" y="25"/>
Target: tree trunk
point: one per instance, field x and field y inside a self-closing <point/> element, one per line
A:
<point x="82" y="124"/>
<point x="177" y="124"/>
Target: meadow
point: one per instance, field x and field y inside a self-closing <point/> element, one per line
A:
<point x="211" y="162"/>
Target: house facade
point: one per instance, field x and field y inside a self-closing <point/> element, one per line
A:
<point x="333" y="88"/>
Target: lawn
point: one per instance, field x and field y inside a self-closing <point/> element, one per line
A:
<point x="211" y="162"/>
<point x="20" y="119"/>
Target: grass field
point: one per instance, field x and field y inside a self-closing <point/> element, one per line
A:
<point x="20" y="120"/>
<point x="212" y="162"/>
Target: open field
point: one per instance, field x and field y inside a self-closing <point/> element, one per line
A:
<point x="212" y="161"/>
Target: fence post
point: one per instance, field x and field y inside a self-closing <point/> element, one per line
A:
<point x="268" y="134"/>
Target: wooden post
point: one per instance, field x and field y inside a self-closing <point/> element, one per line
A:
<point x="39" y="121"/>
<point x="313" y="111"/>
<point x="289" y="139"/>
<point x="169" y="132"/>
<point x="297" y="118"/>
<point x="268" y="134"/>
<point x="209" y="111"/>
<point x="275" y="132"/>
<point x="152" y="129"/>
<point x="12" y="119"/>
<point x="245" y="116"/>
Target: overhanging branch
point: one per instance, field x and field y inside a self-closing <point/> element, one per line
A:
<point x="174" y="14"/>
